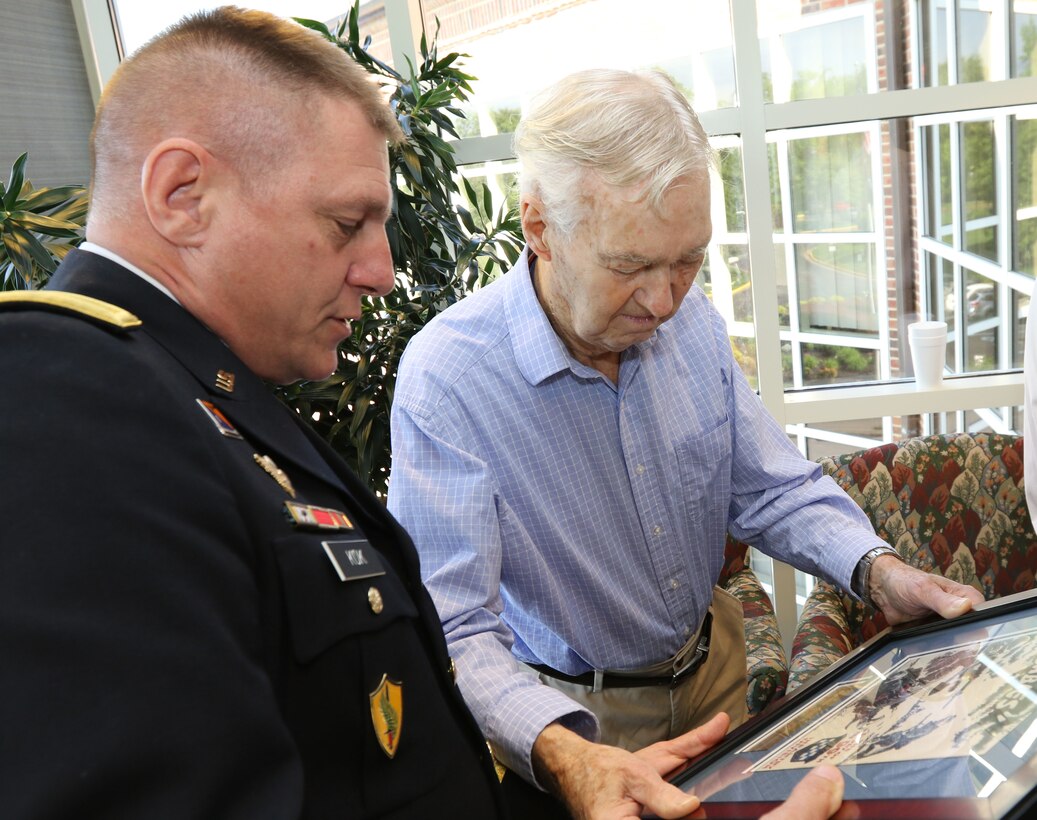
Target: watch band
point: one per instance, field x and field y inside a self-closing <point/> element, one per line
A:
<point x="860" y="582"/>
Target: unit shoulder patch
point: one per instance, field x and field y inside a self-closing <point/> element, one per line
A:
<point x="102" y="313"/>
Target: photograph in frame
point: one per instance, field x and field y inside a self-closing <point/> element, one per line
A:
<point x="926" y="720"/>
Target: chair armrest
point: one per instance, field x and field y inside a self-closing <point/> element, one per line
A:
<point x="824" y="634"/>
<point x="767" y="665"/>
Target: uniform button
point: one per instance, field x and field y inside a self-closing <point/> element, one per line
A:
<point x="453" y="671"/>
<point x="374" y="600"/>
<point x="674" y="583"/>
<point x="657" y="530"/>
<point x="640" y="469"/>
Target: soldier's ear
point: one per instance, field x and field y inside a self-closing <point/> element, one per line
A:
<point x="175" y="183"/>
<point x="535" y="228"/>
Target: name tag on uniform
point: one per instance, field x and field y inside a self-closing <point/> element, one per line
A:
<point x="354" y="559"/>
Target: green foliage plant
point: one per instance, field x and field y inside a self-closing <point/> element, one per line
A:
<point x="442" y="250"/>
<point x="38" y="226"/>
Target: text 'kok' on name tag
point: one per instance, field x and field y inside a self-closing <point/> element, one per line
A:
<point x="354" y="559"/>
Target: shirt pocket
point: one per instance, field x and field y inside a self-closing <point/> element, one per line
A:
<point x="704" y="464"/>
<point x="322" y="609"/>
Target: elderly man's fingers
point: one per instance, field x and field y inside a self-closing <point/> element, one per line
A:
<point x="904" y="593"/>
<point x="816" y="797"/>
<point x="667" y="755"/>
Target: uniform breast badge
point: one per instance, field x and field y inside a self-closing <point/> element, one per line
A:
<point x="309" y="517"/>
<point x="275" y="472"/>
<point x="216" y="416"/>
<point x="387" y="714"/>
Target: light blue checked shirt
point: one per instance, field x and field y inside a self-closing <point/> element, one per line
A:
<point x="565" y="520"/>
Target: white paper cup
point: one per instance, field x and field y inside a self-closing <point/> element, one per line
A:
<point x="928" y="341"/>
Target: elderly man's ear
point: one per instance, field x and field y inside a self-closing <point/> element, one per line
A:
<point x="177" y="184"/>
<point x="535" y="228"/>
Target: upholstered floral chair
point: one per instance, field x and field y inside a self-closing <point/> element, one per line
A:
<point x="950" y="504"/>
<point x="768" y="667"/>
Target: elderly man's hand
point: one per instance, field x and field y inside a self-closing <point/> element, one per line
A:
<point x="599" y="782"/>
<point x="607" y="783"/>
<point x="904" y="593"/>
<point x="816" y="797"/>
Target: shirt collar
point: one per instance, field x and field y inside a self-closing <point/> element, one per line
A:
<point x="539" y="352"/>
<point x="118" y="260"/>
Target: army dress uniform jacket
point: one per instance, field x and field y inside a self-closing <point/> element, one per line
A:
<point x="173" y="642"/>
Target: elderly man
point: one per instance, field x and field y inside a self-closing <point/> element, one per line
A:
<point x="203" y="614"/>
<point x="573" y="442"/>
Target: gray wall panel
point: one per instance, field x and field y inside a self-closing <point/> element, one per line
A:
<point x="45" y="103"/>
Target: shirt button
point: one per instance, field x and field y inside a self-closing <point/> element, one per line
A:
<point x="674" y="583"/>
<point x="657" y="530"/>
<point x="640" y="469"/>
<point x="687" y="631"/>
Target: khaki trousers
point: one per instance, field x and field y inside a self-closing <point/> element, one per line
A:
<point x="636" y="716"/>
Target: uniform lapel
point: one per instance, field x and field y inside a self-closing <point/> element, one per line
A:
<point x="250" y="405"/>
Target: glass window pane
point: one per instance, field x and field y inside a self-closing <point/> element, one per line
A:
<point x="982" y="420"/>
<point x="942" y="299"/>
<point x="745" y="354"/>
<point x="734" y="188"/>
<point x="693" y="46"/>
<point x="982" y="321"/>
<point x="496" y="180"/>
<point x="736" y="266"/>
<point x="1021" y="312"/>
<point x="1024" y="40"/>
<point x="841" y="437"/>
<point x="816" y="50"/>
<point x="936" y="157"/>
<point x="830" y="364"/>
<point x="139" y="21"/>
<point x="837" y="286"/>
<point x="1024" y="162"/>
<point x="974" y="34"/>
<point x="831" y="184"/>
<point x="934" y="34"/>
<point x="777" y="209"/>
<point x="725" y="274"/>
<point x="787" y="367"/>
<point x="724" y="278"/>
<point x="782" y="275"/>
<point x="979" y="189"/>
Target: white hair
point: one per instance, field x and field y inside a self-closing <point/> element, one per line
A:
<point x="630" y="129"/>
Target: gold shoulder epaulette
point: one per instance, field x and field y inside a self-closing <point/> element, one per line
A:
<point x="107" y="315"/>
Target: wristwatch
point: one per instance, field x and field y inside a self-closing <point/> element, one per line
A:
<point x="860" y="582"/>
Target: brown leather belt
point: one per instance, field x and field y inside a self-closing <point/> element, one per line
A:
<point x="612" y="680"/>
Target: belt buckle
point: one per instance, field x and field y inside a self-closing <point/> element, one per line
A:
<point x="701" y="651"/>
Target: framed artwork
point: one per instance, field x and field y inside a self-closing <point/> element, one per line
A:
<point x="928" y="720"/>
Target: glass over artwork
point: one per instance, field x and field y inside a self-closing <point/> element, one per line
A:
<point x="942" y="717"/>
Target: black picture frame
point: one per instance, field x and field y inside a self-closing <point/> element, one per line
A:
<point x="933" y="719"/>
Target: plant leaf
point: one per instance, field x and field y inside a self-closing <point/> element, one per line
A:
<point x="14" y="182"/>
<point x="17" y="243"/>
